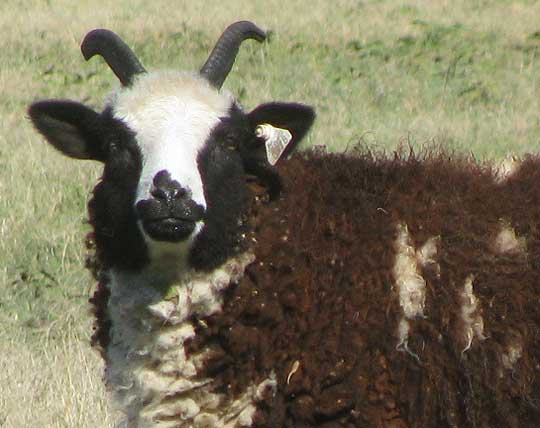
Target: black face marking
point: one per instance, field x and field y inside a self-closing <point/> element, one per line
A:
<point x="118" y="239"/>
<point x="232" y="152"/>
<point x="223" y="175"/>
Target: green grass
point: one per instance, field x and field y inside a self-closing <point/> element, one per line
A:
<point x="463" y="74"/>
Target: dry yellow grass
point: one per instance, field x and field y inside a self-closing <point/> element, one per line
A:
<point x="461" y="72"/>
<point x="51" y="383"/>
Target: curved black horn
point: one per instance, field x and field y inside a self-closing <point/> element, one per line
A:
<point x="219" y="63"/>
<point x="115" y="52"/>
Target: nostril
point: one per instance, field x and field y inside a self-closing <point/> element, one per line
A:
<point x="159" y="193"/>
<point x="180" y="192"/>
<point x="170" y="193"/>
<point x="166" y="189"/>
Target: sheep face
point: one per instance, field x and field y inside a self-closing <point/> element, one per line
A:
<point x="176" y="152"/>
<point x="172" y="116"/>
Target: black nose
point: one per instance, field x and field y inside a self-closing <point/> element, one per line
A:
<point x="166" y="189"/>
<point x="169" y="214"/>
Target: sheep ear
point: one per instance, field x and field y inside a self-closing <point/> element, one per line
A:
<point x="293" y="121"/>
<point x="292" y="117"/>
<point x="70" y="127"/>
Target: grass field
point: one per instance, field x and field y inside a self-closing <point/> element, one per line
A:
<point x="463" y="74"/>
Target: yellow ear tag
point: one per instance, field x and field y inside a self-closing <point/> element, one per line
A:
<point x="276" y="141"/>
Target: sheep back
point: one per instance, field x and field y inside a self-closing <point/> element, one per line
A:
<point x="323" y="308"/>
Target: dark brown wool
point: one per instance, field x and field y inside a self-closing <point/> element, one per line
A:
<point x="319" y="306"/>
<point x="94" y="263"/>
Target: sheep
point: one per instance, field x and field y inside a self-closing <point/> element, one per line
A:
<point x="243" y="284"/>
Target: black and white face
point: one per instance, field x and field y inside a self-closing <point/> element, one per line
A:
<point x="175" y="151"/>
<point x="171" y="116"/>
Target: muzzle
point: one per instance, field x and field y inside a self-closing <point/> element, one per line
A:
<point x="170" y="214"/>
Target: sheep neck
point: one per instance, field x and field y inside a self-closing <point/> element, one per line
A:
<point x="154" y="381"/>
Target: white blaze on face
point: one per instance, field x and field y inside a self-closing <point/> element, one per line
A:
<point x="172" y="115"/>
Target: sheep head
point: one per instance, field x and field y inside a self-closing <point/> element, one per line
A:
<point x="175" y="151"/>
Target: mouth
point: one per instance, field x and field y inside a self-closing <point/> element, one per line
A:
<point x="170" y="229"/>
<point x="169" y="222"/>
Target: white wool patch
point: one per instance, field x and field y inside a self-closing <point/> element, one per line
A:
<point x="154" y="382"/>
<point x="403" y="333"/>
<point x="410" y="284"/>
<point x="507" y="242"/>
<point x="512" y="355"/>
<point x="473" y="322"/>
<point x="172" y="114"/>
<point x="506" y="168"/>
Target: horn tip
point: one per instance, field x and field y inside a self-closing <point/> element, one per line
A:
<point x="251" y="30"/>
<point x="89" y="43"/>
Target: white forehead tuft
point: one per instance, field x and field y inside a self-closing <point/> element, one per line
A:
<point x="154" y="87"/>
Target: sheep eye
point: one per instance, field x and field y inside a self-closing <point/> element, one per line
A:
<point x="230" y="143"/>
